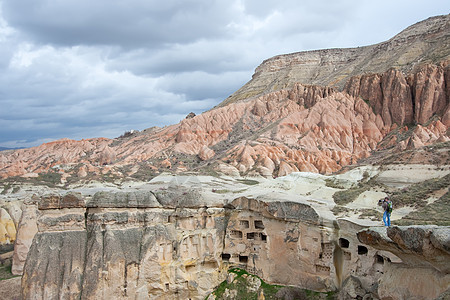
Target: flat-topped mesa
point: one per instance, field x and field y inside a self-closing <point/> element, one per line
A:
<point x="424" y="42"/>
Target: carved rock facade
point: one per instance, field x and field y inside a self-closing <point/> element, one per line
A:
<point x="164" y="244"/>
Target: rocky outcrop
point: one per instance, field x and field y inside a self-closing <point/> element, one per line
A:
<point x="427" y="246"/>
<point x="424" y="272"/>
<point x="7" y="228"/>
<point x="158" y="244"/>
<point x="123" y="245"/>
<point x="404" y="99"/>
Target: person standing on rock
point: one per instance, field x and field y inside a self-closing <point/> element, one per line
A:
<point x="387" y="207"/>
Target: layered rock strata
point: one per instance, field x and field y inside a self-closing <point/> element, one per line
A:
<point x="306" y="128"/>
<point x="426" y="41"/>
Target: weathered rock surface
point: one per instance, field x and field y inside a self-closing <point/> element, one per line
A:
<point x="128" y="245"/>
<point x="7" y="228"/>
<point x="425" y="253"/>
<point x="25" y="234"/>
<point x="136" y="249"/>
<point x="418" y="246"/>
<point x="313" y="111"/>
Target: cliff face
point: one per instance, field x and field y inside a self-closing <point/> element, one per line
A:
<point x="162" y="244"/>
<point x="310" y="111"/>
<point x="424" y="42"/>
<point x="420" y="247"/>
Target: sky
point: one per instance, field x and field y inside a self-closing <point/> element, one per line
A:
<point x="82" y="69"/>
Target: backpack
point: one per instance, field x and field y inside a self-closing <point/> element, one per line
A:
<point x="389" y="208"/>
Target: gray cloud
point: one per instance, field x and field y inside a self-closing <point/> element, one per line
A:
<point x="130" y="23"/>
<point x="82" y="69"/>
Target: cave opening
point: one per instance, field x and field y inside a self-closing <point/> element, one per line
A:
<point x="263" y="237"/>
<point x="362" y="250"/>
<point x="236" y="234"/>
<point x="259" y="224"/>
<point x="244" y="224"/>
<point x="344" y="243"/>
<point x="243" y="259"/>
<point x="226" y="256"/>
<point x="379" y="259"/>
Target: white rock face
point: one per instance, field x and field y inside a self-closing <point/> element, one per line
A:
<point x="7" y="228"/>
<point x="27" y="230"/>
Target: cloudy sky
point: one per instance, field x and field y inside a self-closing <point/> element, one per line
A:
<point x="84" y="68"/>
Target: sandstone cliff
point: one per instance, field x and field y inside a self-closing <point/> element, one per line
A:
<point x="176" y="243"/>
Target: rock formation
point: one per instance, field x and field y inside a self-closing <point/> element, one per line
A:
<point x="177" y="244"/>
<point x="25" y="234"/>
<point x="424" y="272"/>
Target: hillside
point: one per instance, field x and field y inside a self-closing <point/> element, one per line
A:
<point x="316" y="111"/>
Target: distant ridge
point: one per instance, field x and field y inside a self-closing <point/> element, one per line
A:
<point x="6" y="148"/>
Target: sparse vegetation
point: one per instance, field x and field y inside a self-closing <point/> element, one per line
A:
<point x="338" y="209"/>
<point x="248" y="181"/>
<point x="435" y="213"/>
<point x="6" y="262"/>
<point x="225" y="191"/>
<point x="349" y="195"/>
<point x="50" y="178"/>
<point x="6" y="188"/>
<point x="242" y="282"/>
<point x="144" y="173"/>
<point x="373" y="214"/>
<point x="209" y="170"/>
<point x="5" y="272"/>
<point x="416" y="194"/>
<point x="333" y="183"/>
